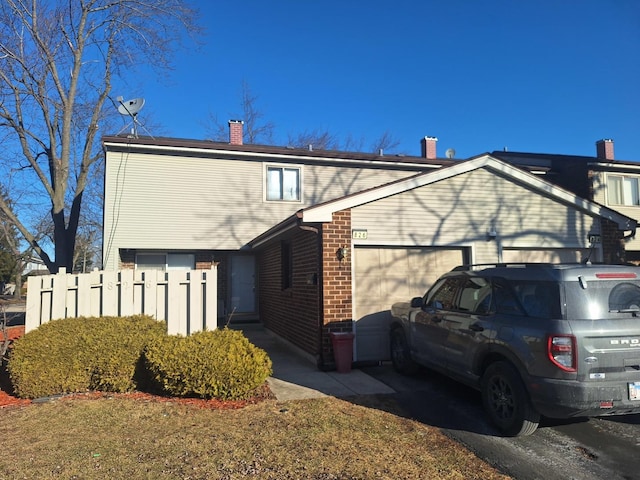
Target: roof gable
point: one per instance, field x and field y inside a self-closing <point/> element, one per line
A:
<point x="323" y="212"/>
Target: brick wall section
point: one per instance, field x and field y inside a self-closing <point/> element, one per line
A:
<point x="429" y="146"/>
<point x="127" y="259"/>
<point x="604" y="149"/>
<point x="223" y="275"/>
<point x="204" y="260"/>
<point x="292" y="313"/>
<point x="235" y="132"/>
<point x="613" y="248"/>
<point x="336" y="280"/>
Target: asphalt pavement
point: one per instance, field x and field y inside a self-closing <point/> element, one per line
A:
<point x="13" y="310"/>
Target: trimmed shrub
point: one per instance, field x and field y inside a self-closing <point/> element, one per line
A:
<point x="80" y="354"/>
<point x="219" y="364"/>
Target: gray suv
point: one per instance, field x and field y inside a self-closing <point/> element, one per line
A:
<point x="560" y="341"/>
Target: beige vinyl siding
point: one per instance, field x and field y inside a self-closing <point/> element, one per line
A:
<point x="600" y="196"/>
<point x="186" y="203"/>
<point x="598" y="180"/>
<point x="322" y="183"/>
<point x="384" y="276"/>
<point x="460" y="210"/>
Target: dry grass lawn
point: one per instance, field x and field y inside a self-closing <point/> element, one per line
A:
<point x="119" y="438"/>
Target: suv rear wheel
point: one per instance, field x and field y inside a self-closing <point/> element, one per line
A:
<point x="400" y="355"/>
<point x="506" y="401"/>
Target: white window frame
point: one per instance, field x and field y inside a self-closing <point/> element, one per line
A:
<point x="626" y="191"/>
<point x="172" y="261"/>
<point x="281" y="196"/>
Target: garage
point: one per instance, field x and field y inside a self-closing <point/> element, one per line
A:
<point x="385" y="275"/>
<point x="354" y="257"/>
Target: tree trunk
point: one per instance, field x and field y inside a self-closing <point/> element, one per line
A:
<point x="18" y="292"/>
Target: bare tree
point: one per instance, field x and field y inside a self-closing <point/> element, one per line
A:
<point x="58" y="64"/>
<point x="315" y="139"/>
<point x="325" y="140"/>
<point x="255" y="129"/>
<point x="385" y="142"/>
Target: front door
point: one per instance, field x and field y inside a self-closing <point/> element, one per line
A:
<point x="242" y="295"/>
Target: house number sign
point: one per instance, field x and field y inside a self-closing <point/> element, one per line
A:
<point x="359" y="234"/>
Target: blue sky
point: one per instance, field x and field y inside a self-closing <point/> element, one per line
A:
<point x="548" y="76"/>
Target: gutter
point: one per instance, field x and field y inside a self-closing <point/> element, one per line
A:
<point x="287" y="224"/>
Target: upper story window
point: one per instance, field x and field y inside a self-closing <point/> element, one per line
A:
<point x="283" y="183"/>
<point x="623" y="190"/>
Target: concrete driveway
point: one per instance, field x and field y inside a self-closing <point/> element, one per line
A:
<point x="296" y="376"/>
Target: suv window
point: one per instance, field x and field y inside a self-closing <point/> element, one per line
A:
<point x="624" y="297"/>
<point x="529" y="298"/>
<point x="505" y="299"/>
<point x="526" y="298"/>
<point x="602" y="299"/>
<point x="442" y="295"/>
<point x="475" y="296"/>
<point x="465" y="294"/>
<point x="539" y="299"/>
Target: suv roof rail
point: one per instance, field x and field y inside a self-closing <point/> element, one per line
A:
<point x="477" y="266"/>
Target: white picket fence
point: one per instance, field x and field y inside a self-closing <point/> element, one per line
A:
<point x="185" y="299"/>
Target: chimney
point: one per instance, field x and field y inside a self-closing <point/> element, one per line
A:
<point x="429" y="147"/>
<point x="235" y="132"/>
<point x="604" y="149"/>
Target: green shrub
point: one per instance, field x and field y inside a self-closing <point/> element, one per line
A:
<point x="79" y="354"/>
<point x="211" y="364"/>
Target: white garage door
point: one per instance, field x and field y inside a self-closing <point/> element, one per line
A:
<point x="557" y="255"/>
<point x="385" y="275"/>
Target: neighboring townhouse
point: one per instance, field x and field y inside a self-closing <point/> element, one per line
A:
<point x="310" y="242"/>
<point x="601" y="178"/>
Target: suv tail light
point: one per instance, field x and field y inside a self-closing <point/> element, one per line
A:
<point x="614" y="275"/>
<point x="561" y="350"/>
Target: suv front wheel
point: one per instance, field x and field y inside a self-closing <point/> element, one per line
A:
<point x="506" y="400"/>
<point x="400" y="354"/>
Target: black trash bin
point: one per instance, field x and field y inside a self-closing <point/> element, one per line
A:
<point x="342" y="343"/>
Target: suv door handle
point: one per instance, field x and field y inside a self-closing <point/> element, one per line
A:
<point x="476" y="328"/>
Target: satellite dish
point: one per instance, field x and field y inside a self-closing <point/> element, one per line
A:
<point x="450" y="153"/>
<point x="130" y="107"/>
